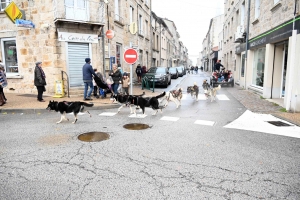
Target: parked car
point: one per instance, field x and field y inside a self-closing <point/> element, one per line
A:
<point x="161" y="75"/>
<point x="180" y="71"/>
<point x="174" y="72"/>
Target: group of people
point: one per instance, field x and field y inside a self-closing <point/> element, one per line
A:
<point x="193" y="69"/>
<point x="220" y="73"/>
<point x="140" y="71"/>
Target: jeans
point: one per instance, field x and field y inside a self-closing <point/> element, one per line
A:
<point x="86" y="85"/>
<point x="40" y="90"/>
<point x="115" y="88"/>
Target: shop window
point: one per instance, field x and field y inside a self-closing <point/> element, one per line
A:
<point x="9" y="55"/>
<point x="141" y="57"/>
<point x="3" y="4"/>
<point x="259" y="67"/>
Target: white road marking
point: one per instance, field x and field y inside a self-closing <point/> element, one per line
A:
<point x="173" y="119"/>
<point x="201" y="97"/>
<point x="258" y="122"/>
<point x="204" y="122"/>
<point x="80" y="113"/>
<point x="109" y="114"/>
<point x="137" y="116"/>
<point x="222" y="97"/>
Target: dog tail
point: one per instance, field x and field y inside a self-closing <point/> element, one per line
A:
<point x="87" y="104"/>
<point x="219" y="87"/>
<point x="161" y="95"/>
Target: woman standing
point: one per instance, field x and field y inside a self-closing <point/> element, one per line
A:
<point x="39" y="80"/>
<point x="117" y="77"/>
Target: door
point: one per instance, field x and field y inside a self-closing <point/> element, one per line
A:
<point x="284" y="67"/>
<point x="242" y="70"/>
<point x="77" y="53"/>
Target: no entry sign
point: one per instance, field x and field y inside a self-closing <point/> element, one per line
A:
<point x="130" y="56"/>
<point x="110" y="34"/>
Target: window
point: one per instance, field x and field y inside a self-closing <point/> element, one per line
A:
<point x="141" y="57"/>
<point x="118" y="54"/>
<point x="146" y="27"/>
<point x="242" y="14"/>
<point x="257" y="8"/>
<point x="259" y="67"/>
<point x="140" y="24"/>
<point x="276" y="1"/>
<point x="4" y="3"/>
<point x="9" y="55"/>
<point x="131" y="14"/>
<point x="117" y="10"/>
<point x="146" y="2"/>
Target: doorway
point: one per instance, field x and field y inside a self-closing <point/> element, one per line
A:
<point x="284" y="67"/>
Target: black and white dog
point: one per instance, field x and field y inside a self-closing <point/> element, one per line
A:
<point x="142" y="102"/>
<point x="68" y="107"/>
<point x="123" y="100"/>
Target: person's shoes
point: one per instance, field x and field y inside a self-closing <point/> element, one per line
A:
<point x="41" y="100"/>
<point x="88" y="99"/>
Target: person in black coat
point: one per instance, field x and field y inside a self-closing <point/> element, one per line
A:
<point x="218" y="65"/>
<point x="39" y="81"/>
<point x="116" y="77"/>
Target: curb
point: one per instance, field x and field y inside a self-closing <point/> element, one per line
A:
<point x="286" y="119"/>
<point x="40" y="110"/>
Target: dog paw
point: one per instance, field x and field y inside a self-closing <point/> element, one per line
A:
<point x="57" y="122"/>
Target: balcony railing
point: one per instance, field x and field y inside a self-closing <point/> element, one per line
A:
<point x="119" y="19"/>
<point x="83" y="11"/>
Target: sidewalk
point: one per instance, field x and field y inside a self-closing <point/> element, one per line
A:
<point x="27" y="103"/>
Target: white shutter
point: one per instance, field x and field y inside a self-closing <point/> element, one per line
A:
<point x="77" y="53"/>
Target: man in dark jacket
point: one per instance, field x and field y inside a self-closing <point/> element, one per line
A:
<point x="87" y="72"/>
<point x="39" y="80"/>
<point x="218" y="65"/>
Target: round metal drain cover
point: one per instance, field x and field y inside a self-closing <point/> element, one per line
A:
<point x="136" y="126"/>
<point x="93" y="137"/>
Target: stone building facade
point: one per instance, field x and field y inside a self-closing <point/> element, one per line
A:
<point x="271" y="65"/>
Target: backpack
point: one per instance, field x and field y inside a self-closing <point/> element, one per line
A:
<point x="138" y="70"/>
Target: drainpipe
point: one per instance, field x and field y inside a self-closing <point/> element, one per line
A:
<point x="103" y="50"/>
<point x="292" y="64"/>
<point x="247" y="44"/>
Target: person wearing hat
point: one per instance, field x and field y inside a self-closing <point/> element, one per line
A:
<point x="39" y="80"/>
<point x="87" y="73"/>
<point x="125" y="83"/>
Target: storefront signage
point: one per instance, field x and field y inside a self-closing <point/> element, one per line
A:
<point x="77" y="37"/>
<point x="240" y="48"/>
<point x="279" y="33"/>
<point x="13" y="12"/>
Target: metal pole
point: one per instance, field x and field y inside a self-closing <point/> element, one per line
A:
<point x="103" y="49"/>
<point x="247" y="44"/>
<point x="131" y="74"/>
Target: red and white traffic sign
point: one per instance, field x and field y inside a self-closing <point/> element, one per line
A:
<point x="130" y="56"/>
<point x="110" y="34"/>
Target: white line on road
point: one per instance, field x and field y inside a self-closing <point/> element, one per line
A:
<point x="109" y="114"/>
<point x="204" y="122"/>
<point x="222" y="97"/>
<point x="137" y="116"/>
<point x="173" y="119"/>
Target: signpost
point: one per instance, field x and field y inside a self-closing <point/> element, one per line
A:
<point x="110" y="34"/>
<point x="130" y="57"/>
<point x="13" y="12"/>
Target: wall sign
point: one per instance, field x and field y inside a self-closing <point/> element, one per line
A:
<point x="77" y="37"/>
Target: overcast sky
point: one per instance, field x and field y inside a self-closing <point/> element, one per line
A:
<point x="191" y="17"/>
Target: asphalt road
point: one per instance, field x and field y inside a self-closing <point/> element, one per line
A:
<point x="175" y="158"/>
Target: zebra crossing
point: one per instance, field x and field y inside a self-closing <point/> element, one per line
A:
<point x="220" y="97"/>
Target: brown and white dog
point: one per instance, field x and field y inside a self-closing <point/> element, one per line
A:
<point x="174" y="96"/>
<point x="210" y="92"/>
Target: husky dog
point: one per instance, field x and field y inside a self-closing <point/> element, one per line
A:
<point x="194" y="91"/>
<point x="123" y="100"/>
<point x="173" y="95"/>
<point x="68" y="107"/>
<point x="142" y="102"/>
<point x="210" y="92"/>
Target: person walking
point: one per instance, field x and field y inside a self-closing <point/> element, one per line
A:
<point x="125" y="83"/>
<point x="139" y="72"/>
<point x="3" y="84"/>
<point x="196" y="69"/>
<point x="39" y="81"/>
<point x="87" y="72"/>
<point x="116" y="77"/>
<point x="218" y="66"/>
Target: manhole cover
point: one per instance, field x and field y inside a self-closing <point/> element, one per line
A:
<point x="93" y="137"/>
<point x="136" y="126"/>
<point x="278" y="123"/>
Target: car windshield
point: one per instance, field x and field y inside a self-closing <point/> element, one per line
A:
<point x="172" y="70"/>
<point x="160" y="70"/>
<point x="179" y="69"/>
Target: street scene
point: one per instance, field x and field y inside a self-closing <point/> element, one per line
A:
<point x="121" y="100"/>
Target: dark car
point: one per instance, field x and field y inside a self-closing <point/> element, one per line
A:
<point x="161" y="75"/>
<point x="174" y="72"/>
<point x="180" y="71"/>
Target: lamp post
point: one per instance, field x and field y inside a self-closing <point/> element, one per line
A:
<point x="247" y="44"/>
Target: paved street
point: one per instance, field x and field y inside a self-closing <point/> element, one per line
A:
<point x="197" y="151"/>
